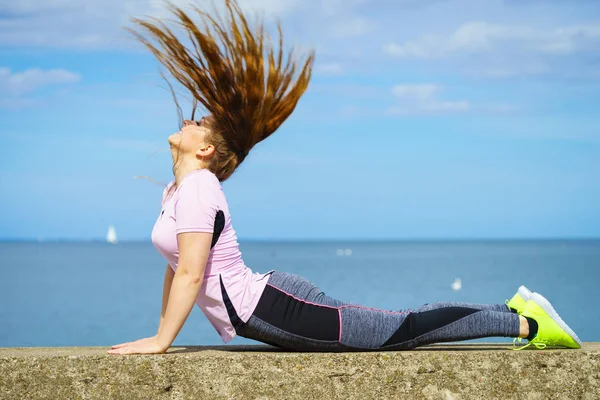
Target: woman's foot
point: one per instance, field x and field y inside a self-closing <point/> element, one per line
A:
<point x="519" y="300"/>
<point x="552" y="330"/>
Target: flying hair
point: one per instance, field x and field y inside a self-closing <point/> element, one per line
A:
<point x="234" y="71"/>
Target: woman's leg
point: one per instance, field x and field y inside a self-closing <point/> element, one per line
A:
<point x="295" y="314"/>
<point x="450" y="324"/>
<point x="488" y="307"/>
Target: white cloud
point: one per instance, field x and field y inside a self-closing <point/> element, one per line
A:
<point x="351" y="27"/>
<point x="424" y="99"/>
<point x="573" y="39"/>
<point x="147" y="7"/>
<point x="14" y="85"/>
<point x="482" y="37"/>
<point x="95" y="24"/>
<point x="330" y="8"/>
<point x="411" y="49"/>
<point x="18" y="83"/>
<point x="420" y="91"/>
<point x="421" y="99"/>
<point x="481" y="49"/>
<point x="347" y="89"/>
<point x="33" y="6"/>
<point x="329" y="68"/>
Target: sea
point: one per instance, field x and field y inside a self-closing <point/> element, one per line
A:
<point x="99" y="294"/>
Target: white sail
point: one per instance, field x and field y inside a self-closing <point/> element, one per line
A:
<point x="457" y="284"/>
<point x="111" y="236"/>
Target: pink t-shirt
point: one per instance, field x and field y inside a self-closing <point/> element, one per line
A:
<point x="192" y="207"/>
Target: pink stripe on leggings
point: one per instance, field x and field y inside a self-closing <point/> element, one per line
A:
<point x="304" y="301"/>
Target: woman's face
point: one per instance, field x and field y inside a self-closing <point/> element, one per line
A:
<point x="190" y="140"/>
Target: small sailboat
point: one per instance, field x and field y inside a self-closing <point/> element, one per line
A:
<point x="111" y="235"/>
<point x="457" y="284"/>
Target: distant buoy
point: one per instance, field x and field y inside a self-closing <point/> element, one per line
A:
<point x="344" y="252"/>
<point x="456" y="285"/>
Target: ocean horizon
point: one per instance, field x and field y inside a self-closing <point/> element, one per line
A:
<point x="92" y="293"/>
<point x="318" y="240"/>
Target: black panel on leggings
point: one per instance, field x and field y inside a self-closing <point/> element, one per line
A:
<point x="219" y="225"/>
<point x="236" y="321"/>
<point x="420" y="323"/>
<point x="297" y="317"/>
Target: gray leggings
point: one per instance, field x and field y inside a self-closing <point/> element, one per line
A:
<point x="294" y="314"/>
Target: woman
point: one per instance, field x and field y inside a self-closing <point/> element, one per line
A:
<point x="249" y="92"/>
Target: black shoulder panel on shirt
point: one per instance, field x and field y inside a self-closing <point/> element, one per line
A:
<point x="219" y="225"/>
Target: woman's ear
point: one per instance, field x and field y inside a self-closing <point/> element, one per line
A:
<point x="205" y="150"/>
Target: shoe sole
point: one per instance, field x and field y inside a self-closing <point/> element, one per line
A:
<point x="546" y="306"/>
<point x="524" y="293"/>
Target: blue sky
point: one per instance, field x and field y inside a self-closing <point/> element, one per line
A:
<point x="425" y="119"/>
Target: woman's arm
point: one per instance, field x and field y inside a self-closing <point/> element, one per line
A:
<point x="169" y="274"/>
<point x="194" y="249"/>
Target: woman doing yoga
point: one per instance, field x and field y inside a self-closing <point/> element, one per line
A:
<point x="249" y="89"/>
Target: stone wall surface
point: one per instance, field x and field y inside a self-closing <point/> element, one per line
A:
<point x="458" y="371"/>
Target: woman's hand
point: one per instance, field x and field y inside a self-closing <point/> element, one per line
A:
<point x="139" y="341"/>
<point x="142" y="346"/>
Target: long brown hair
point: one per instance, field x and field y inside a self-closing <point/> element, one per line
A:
<point x="235" y="72"/>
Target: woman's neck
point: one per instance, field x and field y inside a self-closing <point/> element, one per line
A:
<point x="183" y="169"/>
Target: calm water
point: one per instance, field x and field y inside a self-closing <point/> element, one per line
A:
<point x="94" y="294"/>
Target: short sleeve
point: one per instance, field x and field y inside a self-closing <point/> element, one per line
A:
<point x="196" y="205"/>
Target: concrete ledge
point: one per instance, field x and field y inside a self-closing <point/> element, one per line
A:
<point x="464" y="371"/>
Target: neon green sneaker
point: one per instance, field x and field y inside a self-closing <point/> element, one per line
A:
<point x="519" y="300"/>
<point x="552" y="330"/>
